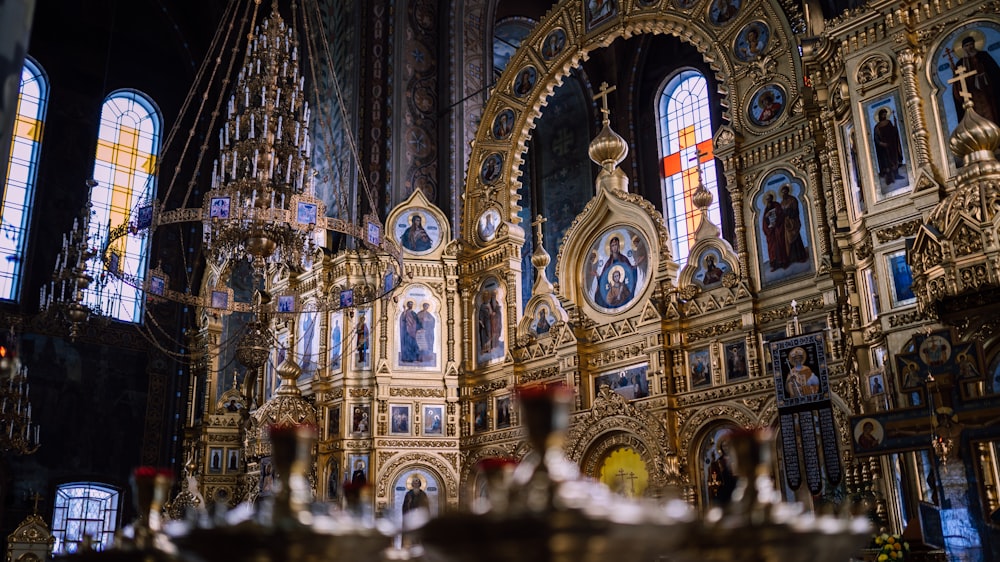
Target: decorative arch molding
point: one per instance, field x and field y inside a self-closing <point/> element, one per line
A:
<point x="432" y="463"/>
<point x="568" y="16"/>
<point x="514" y="450"/>
<point x="696" y="425"/>
<point x="612" y="421"/>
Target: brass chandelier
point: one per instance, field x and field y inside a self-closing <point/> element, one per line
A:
<point x="18" y="435"/>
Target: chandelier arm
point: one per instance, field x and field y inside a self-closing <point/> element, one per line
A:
<point x="348" y="134"/>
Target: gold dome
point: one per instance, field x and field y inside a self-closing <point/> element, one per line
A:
<point x="976" y="138"/>
<point x="608" y="148"/>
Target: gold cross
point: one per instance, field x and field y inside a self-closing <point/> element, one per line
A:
<point x="960" y="75"/>
<point x="537" y="223"/>
<point x="603" y="94"/>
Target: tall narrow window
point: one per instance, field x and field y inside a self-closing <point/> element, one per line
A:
<point x="84" y="509"/>
<point x="685" y="126"/>
<point x="128" y="144"/>
<point x="22" y="168"/>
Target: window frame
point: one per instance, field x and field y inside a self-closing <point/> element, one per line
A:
<point x="38" y="78"/>
<point x="666" y="116"/>
<point x="108" y="523"/>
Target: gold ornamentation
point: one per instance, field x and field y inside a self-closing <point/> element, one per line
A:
<point x="488" y="387"/>
<point x="415" y="444"/>
<point x="714" y="330"/>
<point x="786" y="312"/>
<point x="905" y="319"/>
<point x="873" y="71"/>
<point x="897" y="231"/>
<point x="417" y="392"/>
<point x="360" y="392"/>
<point x="863" y="250"/>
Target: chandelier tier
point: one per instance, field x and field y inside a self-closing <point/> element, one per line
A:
<point x="18" y="435"/>
<point x="64" y="295"/>
<point x="260" y="205"/>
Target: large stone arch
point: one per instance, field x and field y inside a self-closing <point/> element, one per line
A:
<point x="613" y="421"/>
<point x="633" y="19"/>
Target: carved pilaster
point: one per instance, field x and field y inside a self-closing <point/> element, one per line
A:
<point x="831" y="161"/>
<point x="909" y="59"/>
<point x="736" y="192"/>
<point x="816" y="181"/>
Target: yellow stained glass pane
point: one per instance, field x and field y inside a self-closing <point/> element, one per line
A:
<point x="26" y="128"/>
<point x="147" y="164"/>
<point x="686" y="137"/>
<point x="128" y="137"/>
<point x="105" y="151"/>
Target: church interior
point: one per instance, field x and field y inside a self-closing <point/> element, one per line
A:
<point x="374" y="256"/>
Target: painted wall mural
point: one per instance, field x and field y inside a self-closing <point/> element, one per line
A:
<point x="418" y="324"/>
<point x="616" y="269"/>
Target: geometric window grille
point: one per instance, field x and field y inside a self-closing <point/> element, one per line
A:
<point x="22" y="169"/>
<point x="85" y="509"/>
<point x="685" y="130"/>
<point x="128" y="145"/>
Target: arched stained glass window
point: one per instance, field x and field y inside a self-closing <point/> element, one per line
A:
<point x="685" y="127"/>
<point x="85" y="509"/>
<point x="128" y="145"/>
<point x="22" y="168"/>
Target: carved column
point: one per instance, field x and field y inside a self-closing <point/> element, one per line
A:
<point x="831" y="160"/>
<point x="823" y="226"/>
<point x="740" y="234"/>
<point x="909" y="59"/>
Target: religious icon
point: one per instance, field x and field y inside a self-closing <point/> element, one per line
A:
<point x="481" y="420"/>
<point x="215" y="460"/>
<point x="491" y="168"/>
<point x="361" y="419"/>
<point x="362" y="339"/>
<point x="785" y="246"/>
<point x="752" y="41"/>
<point x="417" y="231"/>
<point x="503" y="412"/>
<point x="542" y="321"/>
<point x="333" y="423"/>
<point x="525" y="81"/>
<point x="800" y="375"/>
<point x="901" y="288"/>
<point x="766" y="105"/>
<point x="374" y="233"/>
<point x="974" y="47"/>
<point x="935" y="351"/>
<point x="488" y="223"/>
<point x="876" y="383"/>
<point x="307" y="344"/>
<point x="219" y="208"/>
<point x="266" y="477"/>
<point x="888" y="145"/>
<point x="489" y="322"/>
<point x="157" y="285"/>
<point x="332" y="480"/>
<point x="700" y="366"/>
<point x="554" y="43"/>
<point x="359" y="472"/>
<point x="336" y="340"/>
<point x="616" y="269"/>
<point x="399" y="419"/>
<point x="433" y="420"/>
<point x="417" y="328"/>
<point x="599" y="11"/>
<point x="347" y="298"/>
<point x="711" y="268"/>
<point x="286" y="303"/>
<point x="630" y="383"/>
<point x="719" y="478"/>
<point x="144" y="217"/>
<point x="868" y="434"/>
<point x="736" y="360"/>
<point x="720" y="12"/>
<point x="220" y="299"/>
<point x="232" y="460"/>
<point x="854" y="171"/>
<point x="503" y="124"/>
<point x="305" y="213"/>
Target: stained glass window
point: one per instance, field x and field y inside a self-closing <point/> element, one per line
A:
<point x="85" y="509"/>
<point x="685" y="129"/>
<point x="128" y="144"/>
<point x="22" y="167"/>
